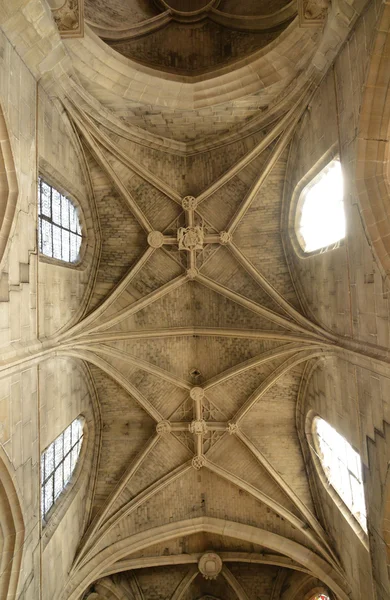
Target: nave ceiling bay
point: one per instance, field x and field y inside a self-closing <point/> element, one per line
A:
<point x="190" y="37"/>
<point x="227" y="77"/>
<point x="194" y="328"/>
<point x="197" y="344"/>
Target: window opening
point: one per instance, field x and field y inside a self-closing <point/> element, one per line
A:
<point x="58" y="462"/>
<point x="342" y="466"/>
<point x="320" y="597"/>
<point x="322" y="218"/>
<point x="58" y="224"/>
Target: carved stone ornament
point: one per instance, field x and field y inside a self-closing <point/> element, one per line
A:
<point x="192" y="273"/>
<point x="190" y="238"/>
<point x="312" y="13"/>
<point x="225" y="237"/>
<point x="155" y="239"/>
<point x="232" y="428"/>
<point x="69" y="18"/>
<point x="210" y="565"/>
<point x="198" y="427"/>
<point x="189" y="203"/>
<point x="197" y="393"/>
<point x="163" y="428"/>
<point x="198" y="462"/>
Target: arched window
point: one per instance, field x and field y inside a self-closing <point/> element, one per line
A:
<point x="342" y="467"/>
<point x="320" y="597"/>
<point x="320" y="221"/>
<point x="59" y="225"/>
<point x="58" y="462"/>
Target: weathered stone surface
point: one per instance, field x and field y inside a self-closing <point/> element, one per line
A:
<point x="195" y="340"/>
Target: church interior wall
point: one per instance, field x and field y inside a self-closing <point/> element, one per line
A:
<point x="342" y="290"/>
<point x="64" y="289"/>
<point x="64" y="396"/>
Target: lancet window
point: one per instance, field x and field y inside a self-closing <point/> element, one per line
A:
<point x="320" y="222"/>
<point x="58" y="462"/>
<point x="59" y="226"/>
<point x="342" y="467"/>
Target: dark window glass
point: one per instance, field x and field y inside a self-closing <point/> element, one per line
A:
<point x="58" y="462"/>
<point x="59" y="225"/>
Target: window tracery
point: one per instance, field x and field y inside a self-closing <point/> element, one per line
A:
<point x="58" y="224"/>
<point x="58" y="462"/>
<point x="320" y="219"/>
<point x="342" y="467"/>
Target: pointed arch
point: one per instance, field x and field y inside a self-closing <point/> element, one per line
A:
<point x="100" y="563"/>
<point x="12" y="531"/>
<point x="8" y="186"/>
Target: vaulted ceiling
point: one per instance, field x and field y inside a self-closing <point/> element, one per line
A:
<point x="193" y="327"/>
<point x="190" y="37"/>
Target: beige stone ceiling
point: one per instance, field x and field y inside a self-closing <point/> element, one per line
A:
<point x="188" y="38"/>
<point x="192" y="327"/>
<point x="197" y="343"/>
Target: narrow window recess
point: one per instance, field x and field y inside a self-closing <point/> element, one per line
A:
<point x="342" y="467"/>
<point x="321" y="210"/>
<point x="58" y="462"/>
<point x="59" y="226"/>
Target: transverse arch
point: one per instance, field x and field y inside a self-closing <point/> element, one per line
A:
<point x="8" y="185"/>
<point x="11" y="531"/>
<point x="103" y="563"/>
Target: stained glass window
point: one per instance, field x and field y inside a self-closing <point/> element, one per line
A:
<point x="320" y="597"/>
<point x="59" y="225"/>
<point x="322" y="218"/>
<point x="342" y="466"/>
<point x="58" y="462"/>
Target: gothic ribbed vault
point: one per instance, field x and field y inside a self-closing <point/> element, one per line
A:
<point x="198" y="343"/>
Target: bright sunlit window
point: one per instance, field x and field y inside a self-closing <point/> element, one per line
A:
<point x="320" y="597"/>
<point x="59" y="224"/>
<point x="342" y="466"/>
<point x="322" y="219"/>
<point x="58" y="462"/>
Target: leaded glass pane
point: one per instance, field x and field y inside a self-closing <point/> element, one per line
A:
<point x="65" y="245"/>
<point x="342" y="467"/>
<point x="59" y="225"/>
<point x="57" y="252"/>
<point x="74" y="456"/>
<point x="63" y="459"/>
<point x="48" y="490"/>
<point x="49" y="461"/>
<point x="322" y="218"/>
<point x="67" y="468"/>
<point x="65" y="211"/>
<point x="45" y="199"/>
<point x="46" y="241"/>
<point x="76" y="431"/>
<point x="73" y="218"/>
<point x="67" y="440"/>
<point x="73" y="247"/>
<point x="58" y="481"/>
<point x="43" y="466"/>
<point x="58" y="450"/>
<point x="56" y="206"/>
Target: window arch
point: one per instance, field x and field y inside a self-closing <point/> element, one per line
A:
<point x="58" y="462"/>
<point x="59" y="228"/>
<point x="342" y="468"/>
<point x="320" y="218"/>
<point x="321" y="596"/>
